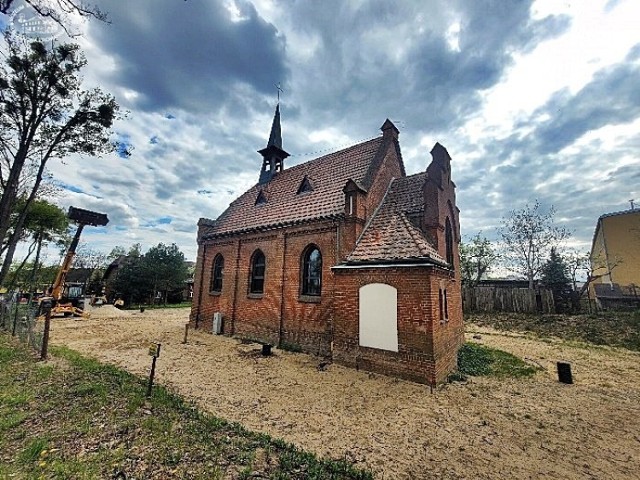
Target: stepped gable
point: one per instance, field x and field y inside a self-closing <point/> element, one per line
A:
<point x="284" y="205"/>
<point x="391" y="235"/>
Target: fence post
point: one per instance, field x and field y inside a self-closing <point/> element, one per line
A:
<point x="46" y="304"/>
<point x="15" y="318"/>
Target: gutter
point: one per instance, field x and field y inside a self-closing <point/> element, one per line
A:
<point x="393" y="264"/>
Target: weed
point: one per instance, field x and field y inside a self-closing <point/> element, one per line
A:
<point x="33" y="451"/>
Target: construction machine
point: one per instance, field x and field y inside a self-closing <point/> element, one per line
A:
<point x="82" y="218"/>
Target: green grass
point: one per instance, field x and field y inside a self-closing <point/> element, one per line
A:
<point x="290" y="347"/>
<point x="77" y="418"/>
<point x="479" y="360"/>
<point x="617" y="329"/>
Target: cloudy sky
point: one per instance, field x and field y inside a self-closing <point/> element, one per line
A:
<point x="532" y="99"/>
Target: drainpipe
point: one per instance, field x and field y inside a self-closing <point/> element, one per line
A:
<point x="284" y="257"/>
<point x="204" y="257"/>
<point x="235" y="291"/>
<point x="333" y="294"/>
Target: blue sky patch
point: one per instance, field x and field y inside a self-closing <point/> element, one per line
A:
<point x="71" y="188"/>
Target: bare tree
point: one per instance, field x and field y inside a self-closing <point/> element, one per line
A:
<point x="87" y="257"/>
<point x="477" y="256"/>
<point x="528" y="236"/>
<point x="596" y="268"/>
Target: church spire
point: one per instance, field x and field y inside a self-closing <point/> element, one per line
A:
<point x="275" y="138"/>
<point x="273" y="155"/>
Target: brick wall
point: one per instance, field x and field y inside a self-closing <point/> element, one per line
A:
<point x="389" y="170"/>
<point x="299" y="320"/>
<point x="427" y="347"/>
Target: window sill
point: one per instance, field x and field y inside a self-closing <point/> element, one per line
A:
<point x="309" y="298"/>
<point x="216" y="294"/>
<point x="256" y="296"/>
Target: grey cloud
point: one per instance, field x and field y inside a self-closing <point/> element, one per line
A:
<point x="189" y="64"/>
<point x="612" y="98"/>
<point x="381" y="59"/>
<point x="535" y="165"/>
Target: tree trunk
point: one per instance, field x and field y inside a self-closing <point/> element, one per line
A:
<point x="13" y="241"/>
<point x="11" y="249"/>
<point x="10" y="194"/>
<point x="34" y="272"/>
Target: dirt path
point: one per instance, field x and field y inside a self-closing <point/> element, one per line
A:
<point x="534" y="428"/>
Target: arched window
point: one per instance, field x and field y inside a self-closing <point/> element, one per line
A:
<point x="216" y="274"/>
<point x="312" y="271"/>
<point x="448" y="239"/>
<point x="256" y="285"/>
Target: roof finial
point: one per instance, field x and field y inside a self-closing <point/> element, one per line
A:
<point x="279" y="90"/>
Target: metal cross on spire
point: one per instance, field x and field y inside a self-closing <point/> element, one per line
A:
<point x="279" y="90"/>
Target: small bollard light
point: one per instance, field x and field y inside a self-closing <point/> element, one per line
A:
<point x="154" y="351"/>
<point x="564" y="373"/>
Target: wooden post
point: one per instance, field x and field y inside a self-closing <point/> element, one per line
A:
<point x="186" y="332"/>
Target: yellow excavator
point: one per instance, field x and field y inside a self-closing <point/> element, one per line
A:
<point x="59" y="307"/>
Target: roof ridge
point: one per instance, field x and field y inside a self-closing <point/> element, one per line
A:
<point x="323" y="157"/>
<point x="620" y="212"/>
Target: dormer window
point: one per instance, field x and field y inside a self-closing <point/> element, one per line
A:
<point x="305" y="186"/>
<point x="353" y="193"/>
<point x="261" y="198"/>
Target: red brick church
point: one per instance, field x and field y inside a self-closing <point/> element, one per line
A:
<point x="344" y="256"/>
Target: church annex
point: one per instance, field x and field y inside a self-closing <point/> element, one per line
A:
<point x="344" y="256"/>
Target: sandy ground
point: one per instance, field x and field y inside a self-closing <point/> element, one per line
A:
<point x="486" y="428"/>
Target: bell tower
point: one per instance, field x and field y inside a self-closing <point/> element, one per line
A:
<point x="273" y="155"/>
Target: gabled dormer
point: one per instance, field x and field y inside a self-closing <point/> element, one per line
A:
<point x="261" y="198"/>
<point x="273" y="155"/>
<point x="305" y="186"/>
<point x="354" y="196"/>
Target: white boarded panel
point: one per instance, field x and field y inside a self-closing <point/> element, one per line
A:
<point x="378" y="316"/>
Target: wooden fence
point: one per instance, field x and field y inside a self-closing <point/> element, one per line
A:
<point x="505" y="299"/>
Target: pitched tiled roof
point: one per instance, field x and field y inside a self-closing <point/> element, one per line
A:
<point x="327" y="175"/>
<point x="390" y="235"/>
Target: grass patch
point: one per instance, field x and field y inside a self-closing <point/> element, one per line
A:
<point x="77" y="418"/>
<point x="479" y="360"/>
<point x="616" y="329"/>
<point x="290" y="347"/>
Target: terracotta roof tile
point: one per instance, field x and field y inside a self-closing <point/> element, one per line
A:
<point x="390" y="235"/>
<point x="328" y="176"/>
